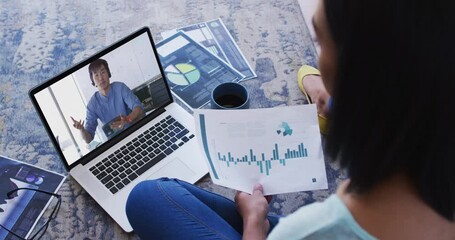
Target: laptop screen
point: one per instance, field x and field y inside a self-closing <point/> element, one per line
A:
<point x="96" y="103"/>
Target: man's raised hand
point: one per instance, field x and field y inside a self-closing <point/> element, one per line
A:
<point x="78" y="124"/>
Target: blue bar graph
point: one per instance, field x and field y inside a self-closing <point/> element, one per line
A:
<point x="264" y="163"/>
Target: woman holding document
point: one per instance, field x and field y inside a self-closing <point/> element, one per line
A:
<point x="389" y="67"/>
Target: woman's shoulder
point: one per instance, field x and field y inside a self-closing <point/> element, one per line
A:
<point x="329" y="219"/>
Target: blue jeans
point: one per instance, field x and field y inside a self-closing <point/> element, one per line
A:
<point x="174" y="209"/>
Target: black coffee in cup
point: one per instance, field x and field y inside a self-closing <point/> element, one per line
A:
<point x="230" y="96"/>
<point x="230" y="101"/>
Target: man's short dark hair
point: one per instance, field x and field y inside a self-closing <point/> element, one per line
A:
<point x="95" y="65"/>
<point x="393" y="105"/>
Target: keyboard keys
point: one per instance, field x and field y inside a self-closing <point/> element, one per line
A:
<point x="101" y="175"/>
<point x="119" y="185"/>
<point x="177" y="124"/>
<point x="149" y="164"/>
<point x="168" y="151"/>
<point x="95" y="171"/>
<point x="182" y="133"/>
<point x="144" y="153"/>
<point x="113" y="190"/>
<point x="125" y="181"/>
<point x="137" y="156"/>
<point x="125" y="152"/>
<point x="109" y="184"/>
<point x="116" y="179"/>
<point x="106" y="179"/>
<point x="133" y="176"/>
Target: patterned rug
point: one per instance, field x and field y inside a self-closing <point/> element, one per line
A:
<point x="41" y="38"/>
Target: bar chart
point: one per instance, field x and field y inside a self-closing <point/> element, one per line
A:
<point x="264" y="163"/>
<point x="278" y="148"/>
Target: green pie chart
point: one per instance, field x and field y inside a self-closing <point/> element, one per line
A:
<point x="182" y="74"/>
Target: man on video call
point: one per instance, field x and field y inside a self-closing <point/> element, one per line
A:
<point x="114" y="104"/>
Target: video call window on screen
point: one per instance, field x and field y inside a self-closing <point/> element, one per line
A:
<point x="131" y="67"/>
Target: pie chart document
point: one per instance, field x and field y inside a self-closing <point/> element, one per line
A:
<point x="215" y="37"/>
<point x="192" y="71"/>
<point x="182" y="74"/>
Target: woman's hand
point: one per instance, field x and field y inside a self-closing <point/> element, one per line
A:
<point x="253" y="208"/>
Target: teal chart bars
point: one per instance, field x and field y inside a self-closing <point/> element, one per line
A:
<point x="264" y="163"/>
<point x="277" y="147"/>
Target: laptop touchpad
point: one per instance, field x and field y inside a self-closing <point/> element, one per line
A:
<point x="174" y="169"/>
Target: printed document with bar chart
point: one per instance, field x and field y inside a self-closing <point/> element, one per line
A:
<point x="279" y="148"/>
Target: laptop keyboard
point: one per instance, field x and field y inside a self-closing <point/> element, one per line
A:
<point x="141" y="153"/>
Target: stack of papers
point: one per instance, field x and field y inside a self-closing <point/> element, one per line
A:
<point x="198" y="57"/>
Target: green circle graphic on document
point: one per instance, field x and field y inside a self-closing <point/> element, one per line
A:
<point x="182" y="74"/>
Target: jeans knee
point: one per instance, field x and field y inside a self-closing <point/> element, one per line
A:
<point x="140" y="193"/>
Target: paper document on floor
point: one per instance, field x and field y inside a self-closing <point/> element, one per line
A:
<point x="193" y="71"/>
<point x="217" y="39"/>
<point x="21" y="209"/>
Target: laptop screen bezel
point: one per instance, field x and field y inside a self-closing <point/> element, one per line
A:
<point x="106" y="145"/>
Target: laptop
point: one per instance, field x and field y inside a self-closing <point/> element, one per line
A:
<point x="150" y="136"/>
